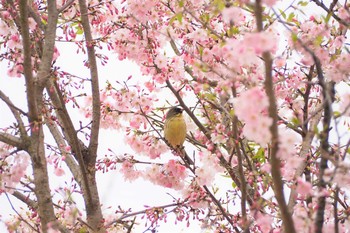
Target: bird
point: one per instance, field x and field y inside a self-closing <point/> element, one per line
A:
<point x="175" y="130"/>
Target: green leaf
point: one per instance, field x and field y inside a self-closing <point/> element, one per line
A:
<point x="328" y="17"/>
<point x="233" y="31"/>
<point x="219" y="4"/>
<point x="317" y="132"/>
<point x="337" y="114"/>
<point x="181" y="3"/>
<point x="234" y="185"/>
<point x="79" y="30"/>
<point x="260" y="155"/>
<point x="200" y="51"/>
<point x="205" y="18"/>
<point x="290" y="17"/>
<point x="283" y="14"/>
<point x="303" y="3"/>
<point x="318" y="40"/>
<point x="210" y="96"/>
<point x="295" y="121"/>
<point x="44" y="22"/>
<point x="177" y="17"/>
<point x="294" y="37"/>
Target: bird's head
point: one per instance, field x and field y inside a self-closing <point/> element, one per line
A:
<point x="173" y="112"/>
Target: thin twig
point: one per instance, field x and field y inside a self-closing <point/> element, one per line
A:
<point x="331" y="12"/>
<point x="124" y="216"/>
<point x="20" y="216"/>
<point x="65" y="6"/>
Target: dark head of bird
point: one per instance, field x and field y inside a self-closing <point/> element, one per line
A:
<point x="174" y="111"/>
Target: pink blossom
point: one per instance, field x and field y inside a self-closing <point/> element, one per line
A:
<point x="196" y="36"/>
<point x="206" y="176"/>
<point x="32" y="24"/>
<point x="250" y="102"/>
<point x="287" y="143"/>
<point x="236" y="53"/>
<point x="266" y="167"/>
<point x="135" y="143"/>
<point x="142" y="9"/>
<point x="68" y="149"/>
<point x="52" y="230"/>
<point x="341" y="177"/>
<point x="258" y="129"/>
<point x="196" y="196"/>
<point x="234" y="15"/>
<point x="17" y="166"/>
<point x="177" y="68"/>
<point x="248" y="108"/>
<point x="304" y="188"/>
<point x="129" y="171"/>
<point x="261" y="42"/>
<point x="136" y="121"/>
<point x="56" y="54"/>
<point x="337" y="43"/>
<point x="339" y="69"/>
<point x="344" y="14"/>
<point x="156" y="148"/>
<point x="58" y="171"/>
<point x="176" y="169"/>
<point x="4" y="29"/>
<point x="14" y="41"/>
<point x="269" y="3"/>
<point x="16" y="71"/>
<point x="280" y="62"/>
<point x="161" y="61"/>
<point x="150" y="86"/>
<point x="170" y="176"/>
<point x="302" y="221"/>
<point x="263" y="221"/>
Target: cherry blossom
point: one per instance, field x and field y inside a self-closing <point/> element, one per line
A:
<point x="249" y="107"/>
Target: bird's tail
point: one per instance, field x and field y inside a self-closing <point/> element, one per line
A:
<point x="185" y="156"/>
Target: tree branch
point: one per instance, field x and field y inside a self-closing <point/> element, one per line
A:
<point x="94" y="213"/>
<point x="16" y="113"/>
<point x="243" y="186"/>
<point x="12" y="140"/>
<point x="69" y="133"/>
<point x="61" y="143"/>
<point x="25" y="199"/>
<point x="34" y="90"/>
<point x="304" y="152"/>
<point x="328" y="98"/>
<point x="48" y="45"/>
<point x="274" y="160"/>
<point x="66" y="5"/>
<point x="36" y="18"/>
<point x="96" y="104"/>
<point x="27" y="64"/>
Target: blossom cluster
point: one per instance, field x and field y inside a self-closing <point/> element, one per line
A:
<point x="12" y="169"/>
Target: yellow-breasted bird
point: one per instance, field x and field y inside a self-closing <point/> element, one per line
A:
<point x="175" y="131"/>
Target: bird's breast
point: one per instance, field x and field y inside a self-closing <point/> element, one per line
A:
<point x="175" y="131"/>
